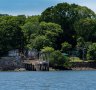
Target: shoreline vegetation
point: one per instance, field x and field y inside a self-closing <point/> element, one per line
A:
<point x="62" y="37"/>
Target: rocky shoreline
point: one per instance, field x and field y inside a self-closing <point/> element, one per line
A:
<point x="83" y="68"/>
<point x="52" y="69"/>
<point x="10" y="64"/>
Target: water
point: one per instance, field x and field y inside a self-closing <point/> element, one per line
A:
<point x="57" y="80"/>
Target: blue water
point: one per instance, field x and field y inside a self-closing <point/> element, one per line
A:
<point x="57" y="80"/>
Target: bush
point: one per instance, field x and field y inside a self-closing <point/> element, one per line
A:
<point x="57" y="59"/>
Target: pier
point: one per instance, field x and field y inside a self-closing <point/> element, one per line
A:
<point x="36" y="65"/>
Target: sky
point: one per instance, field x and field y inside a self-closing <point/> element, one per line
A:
<point x="35" y="7"/>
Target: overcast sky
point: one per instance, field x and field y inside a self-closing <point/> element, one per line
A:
<point x="35" y="7"/>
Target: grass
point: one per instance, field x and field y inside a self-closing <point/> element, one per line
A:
<point x="77" y="59"/>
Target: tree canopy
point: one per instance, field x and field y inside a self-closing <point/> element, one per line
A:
<point x="59" y="27"/>
<point x="66" y="15"/>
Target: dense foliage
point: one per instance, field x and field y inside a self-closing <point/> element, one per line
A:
<point x="62" y="27"/>
<point x="66" y="47"/>
<point x="57" y="59"/>
<point x="67" y="15"/>
<point x="91" y="53"/>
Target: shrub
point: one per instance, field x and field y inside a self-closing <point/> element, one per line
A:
<point x="58" y="59"/>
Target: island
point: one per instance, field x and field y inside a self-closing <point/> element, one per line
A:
<point x="63" y="37"/>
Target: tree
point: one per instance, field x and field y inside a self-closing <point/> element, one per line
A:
<point x="66" y="15"/>
<point x="32" y="19"/>
<point x="91" y="53"/>
<point x="80" y="42"/>
<point x="81" y="48"/>
<point x="11" y="36"/>
<point x="47" y="49"/>
<point x="52" y="31"/>
<point x="86" y="28"/>
<point x="33" y="29"/>
<point x="46" y="52"/>
<point x="30" y="28"/>
<point x="66" y="47"/>
<point x="20" y="19"/>
<point x="39" y="42"/>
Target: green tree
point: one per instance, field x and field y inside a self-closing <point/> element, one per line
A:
<point x="11" y="36"/>
<point x="86" y="28"/>
<point x="46" y="52"/>
<point x="66" y="15"/>
<point x="32" y="19"/>
<point x="80" y="42"/>
<point x="52" y="31"/>
<point x="91" y="53"/>
<point x="39" y="42"/>
<point x="66" y="47"/>
<point x="47" y="49"/>
<point x="20" y="19"/>
<point x="30" y="28"/>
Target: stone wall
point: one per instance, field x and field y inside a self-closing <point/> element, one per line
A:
<point x="10" y="63"/>
<point x="84" y="65"/>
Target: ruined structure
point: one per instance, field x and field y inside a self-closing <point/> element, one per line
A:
<point x="30" y="60"/>
<point x="36" y="62"/>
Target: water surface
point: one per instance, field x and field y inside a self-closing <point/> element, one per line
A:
<point x="56" y="80"/>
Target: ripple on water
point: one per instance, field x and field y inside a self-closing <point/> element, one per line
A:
<point x="60" y="80"/>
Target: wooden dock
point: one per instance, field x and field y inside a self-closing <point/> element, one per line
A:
<point x="36" y="65"/>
